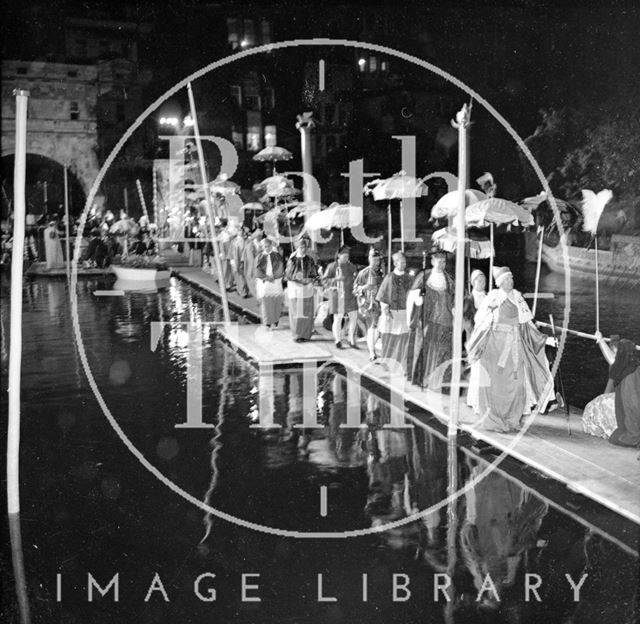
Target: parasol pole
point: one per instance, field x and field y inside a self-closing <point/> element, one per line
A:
<point x="126" y="200"/>
<point x="595" y="240"/>
<point x="462" y="124"/>
<point x="66" y="220"/>
<point x="15" y="352"/>
<point x="207" y="197"/>
<point x="401" y="227"/>
<point x="538" y="267"/>
<point x="154" y="195"/>
<point x="389" y="237"/>
<point x="493" y="253"/>
<point x="142" y="202"/>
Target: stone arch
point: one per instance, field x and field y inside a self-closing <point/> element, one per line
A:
<point x="78" y="151"/>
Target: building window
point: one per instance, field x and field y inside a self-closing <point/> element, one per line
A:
<point x="236" y="94"/>
<point x="269" y="98"/>
<point x="72" y="73"/>
<point x="74" y="111"/>
<point x="21" y="70"/>
<point x="249" y="35"/>
<point x="233" y="30"/>
<point x="252" y="98"/>
<point x="266" y="31"/>
<point x="384" y="66"/>
<point x="254" y="138"/>
<point x="373" y="64"/>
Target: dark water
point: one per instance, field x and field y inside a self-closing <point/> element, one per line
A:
<point x="89" y="506"/>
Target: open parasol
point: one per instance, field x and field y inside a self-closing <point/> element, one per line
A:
<point x="446" y="240"/>
<point x="494" y="210"/>
<point x="447" y="205"/>
<point x="273" y="154"/>
<point x="339" y="216"/>
<point x="398" y="186"/>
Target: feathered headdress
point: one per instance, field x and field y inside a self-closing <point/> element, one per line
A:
<point x="592" y="207"/>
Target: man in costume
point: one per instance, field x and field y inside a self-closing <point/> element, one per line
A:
<point x="509" y="369"/>
<point x="392" y="297"/>
<point x="301" y="273"/>
<point x="236" y="249"/>
<point x="269" y="269"/>
<point x="252" y="249"/>
<point x="365" y="288"/>
<point x="429" y="308"/>
<point x="339" y="279"/>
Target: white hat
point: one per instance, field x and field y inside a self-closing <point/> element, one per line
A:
<point x="499" y="273"/>
<point x="475" y="274"/>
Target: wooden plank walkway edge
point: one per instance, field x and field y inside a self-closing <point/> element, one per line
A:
<point x="590" y="466"/>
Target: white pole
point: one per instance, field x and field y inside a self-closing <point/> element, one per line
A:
<point x="15" y="342"/>
<point x="142" y="202"/>
<point x="154" y="195"/>
<point x="597" y="286"/>
<point x="461" y="123"/>
<point x="389" y="237"/>
<point x="207" y="197"/>
<point x="538" y="267"/>
<point x="66" y="219"/>
<point x="126" y="200"/>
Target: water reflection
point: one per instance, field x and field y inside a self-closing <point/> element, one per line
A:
<point x="90" y="506"/>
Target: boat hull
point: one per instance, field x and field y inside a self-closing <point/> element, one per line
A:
<point x="130" y="274"/>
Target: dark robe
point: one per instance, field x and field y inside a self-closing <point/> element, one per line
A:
<point x="395" y="332"/>
<point x="430" y="334"/>
<point x="341" y="297"/>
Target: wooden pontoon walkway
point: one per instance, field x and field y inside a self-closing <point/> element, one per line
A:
<point x="587" y="465"/>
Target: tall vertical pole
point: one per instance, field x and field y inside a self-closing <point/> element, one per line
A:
<point x="46" y="197"/>
<point x="66" y="221"/>
<point x="491" y="257"/>
<point x="126" y="200"/>
<point x="15" y="351"/>
<point x="207" y="197"/>
<point x="462" y="124"/>
<point x="154" y="195"/>
<point x="305" y="124"/>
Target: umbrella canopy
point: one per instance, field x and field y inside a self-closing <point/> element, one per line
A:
<point x="277" y="186"/>
<point x="531" y="203"/>
<point x="496" y="210"/>
<point x="273" y="153"/>
<point x="253" y="206"/>
<point x="447" y="205"/>
<point x="222" y="186"/>
<point x="398" y="186"/>
<point x="335" y="216"/>
<point x="304" y="209"/>
<point x="447" y="240"/>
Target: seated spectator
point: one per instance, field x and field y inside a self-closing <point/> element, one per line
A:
<point x="97" y="253"/>
<point x="145" y="245"/>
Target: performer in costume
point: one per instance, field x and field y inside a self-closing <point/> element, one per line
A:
<point x="365" y="288"/>
<point x="236" y="249"/>
<point x="339" y="279"/>
<point x="252" y="249"/>
<point x="53" y="247"/>
<point x="429" y="309"/>
<point x="509" y="369"/>
<point x="269" y="270"/>
<point x="473" y="300"/>
<point x="301" y="273"/>
<point x="392" y="296"/>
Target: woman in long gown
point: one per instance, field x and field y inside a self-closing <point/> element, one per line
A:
<point x="365" y="288"/>
<point x="301" y="274"/>
<point x="431" y="323"/>
<point x="53" y="247"/>
<point x="392" y="296"/>
<point x="269" y="269"/>
<point x="615" y="415"/>
<point x="252" y="249"/>
<point x="509" y="369"/>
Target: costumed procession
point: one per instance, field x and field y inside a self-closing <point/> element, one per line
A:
<point x="404" y="317"/>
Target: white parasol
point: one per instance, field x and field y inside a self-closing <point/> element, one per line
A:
<point x="447" y="205"/>
<point x="339" y="216"/>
